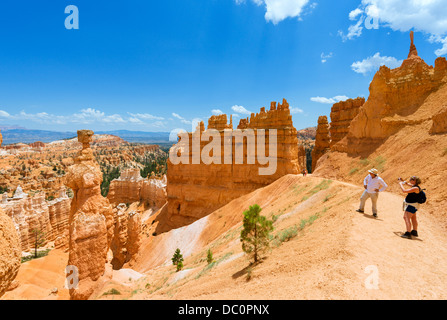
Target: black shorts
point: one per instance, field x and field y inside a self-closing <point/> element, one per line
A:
<point x="411" y="209"/>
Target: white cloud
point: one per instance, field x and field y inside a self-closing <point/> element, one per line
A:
<point x="296" y="110"/>
<point x="426" y="16"/>
<point x="216" y="112"/>
<point x="329" y="100"/>
<point x="325" y="57"/>
<point x="279" y="10"/>
<point x="429" y="16"/>
<point x="354" y="30"/>
<point x="4" y="114"/>
<point x="182" y="120"/>
<point x="355" y="13"/>
<point x="373" y="63"/>
<point x="145" y="116"/>
<point x="441" y="40"/>
<point x="240" y="109"/>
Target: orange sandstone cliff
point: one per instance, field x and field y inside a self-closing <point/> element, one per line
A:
<point x="194" y="190"/>
<point x="10" y="252"/>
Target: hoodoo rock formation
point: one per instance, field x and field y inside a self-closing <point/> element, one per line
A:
<point x="10" y="252"/>
<point x="131" y="187"/>
<point x="322" y="141"/>
<point x="342" y="114"/>
<point x="35" y="213"/>
<point x="196" y="189"/>
<point x="91" y="220"/>
<point x="126" y="239"/>
<point x="395" y="100"/>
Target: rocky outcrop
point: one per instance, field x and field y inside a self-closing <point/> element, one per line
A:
<point x="126" y="239"/>
<point x="197" y="187"/>
<point x="302" y="159"/>
<point x="91" y="220"/>
<point x="342" y="114"/>
<point x="10" y="252"/>
<point x="395" y="98"/>
<point x="322" y="141"/>
<point x="131" y="187"/>
<point x="35" y="213"/>
<point x="439" y="125"/>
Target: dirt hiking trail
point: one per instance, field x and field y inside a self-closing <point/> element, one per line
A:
<point x="407" y="269"/>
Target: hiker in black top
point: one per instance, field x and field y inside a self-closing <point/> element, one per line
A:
<point x="411" y="205"/>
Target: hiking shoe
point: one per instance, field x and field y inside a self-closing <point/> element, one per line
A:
<point x="361" y="211"/>
<point x="414" y="233"/>
<point x="375" y="215"/>
<point x="406" y="235"/>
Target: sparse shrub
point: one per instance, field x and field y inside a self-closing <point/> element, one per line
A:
<point x="286" y="235"/>
<point x="380" y="162"/>
<point x="209" y="257"/>
<point x="353" y="171"/>
<point x="111" y="292"/>
<point x="309" y="221"/>
<point x="364" y="162"/>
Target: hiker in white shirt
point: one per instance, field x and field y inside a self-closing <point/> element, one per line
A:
<point x="373" y="185"/>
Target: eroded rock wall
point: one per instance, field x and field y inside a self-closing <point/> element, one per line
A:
<point x="195" y="190"/>
<point x="342" y="114"/>
<point x="131" y="187"/>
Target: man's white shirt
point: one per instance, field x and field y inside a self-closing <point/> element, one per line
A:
<point x="374" y="183"/>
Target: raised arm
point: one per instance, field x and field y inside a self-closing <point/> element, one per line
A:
<point x="411" y="190"/>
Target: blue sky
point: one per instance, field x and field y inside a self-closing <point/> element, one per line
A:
<point x="158" y="65"/>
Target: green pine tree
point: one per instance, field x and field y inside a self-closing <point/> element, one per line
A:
<point x="255" y="235"/>
<point x="177" y="259"/>
<point x="209" y="257"/>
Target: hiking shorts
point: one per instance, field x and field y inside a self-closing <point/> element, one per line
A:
<point x="411" y="209"/>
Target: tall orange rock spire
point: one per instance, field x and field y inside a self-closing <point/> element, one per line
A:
<point x="413" y="50"/>
<point x="90" y="222"/>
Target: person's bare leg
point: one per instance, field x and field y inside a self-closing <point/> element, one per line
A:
<point x="414" y="222"/>
<point x="407" y="219"/>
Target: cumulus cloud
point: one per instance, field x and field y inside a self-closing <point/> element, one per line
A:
<point x="279" y="10"/>
<point x="329" y="100"/>
<point x="372" y="64"/>
<point x="428" y="17"/>
<point x="241" y="110"/>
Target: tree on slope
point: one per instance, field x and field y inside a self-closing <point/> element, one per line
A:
<point x="177" y="260"/>
<point x="255" y="235"/>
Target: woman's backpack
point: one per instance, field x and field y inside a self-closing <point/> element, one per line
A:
<point x="422" y="197"/>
